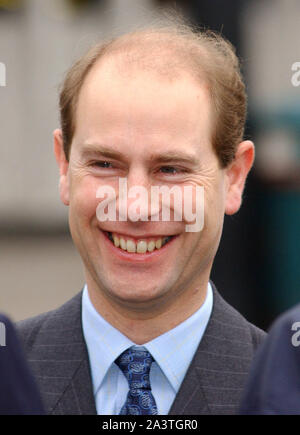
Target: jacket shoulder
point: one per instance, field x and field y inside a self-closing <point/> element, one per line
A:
<point x="29" y="329"/>
<point x="227" y="321"/>
<point x="56" y="351"/>
<point x="257" y="335"/>
<point x="217" y="375"/>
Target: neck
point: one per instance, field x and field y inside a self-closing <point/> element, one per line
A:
<point x="143" y="323"/>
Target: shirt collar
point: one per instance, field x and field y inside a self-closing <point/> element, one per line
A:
<point x="105" y="343"/>
<point x="174" y="350"/>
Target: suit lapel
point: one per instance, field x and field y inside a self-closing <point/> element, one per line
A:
<point x="59" y="360"/>
<point x="215" y="378"/>
<point x="78" y="397"/>
<point x="190" y="399"/>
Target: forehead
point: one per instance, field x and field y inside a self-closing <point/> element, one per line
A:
<point x="142" y="104"/>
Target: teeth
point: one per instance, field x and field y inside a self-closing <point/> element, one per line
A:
<point x="141" y="247"/>
<point x="151" y="246"/>
<point x="123" y="244"/>
<point x="158" y="243"/>
<point x="131" y="246"/>
<point x="116" y="240"/>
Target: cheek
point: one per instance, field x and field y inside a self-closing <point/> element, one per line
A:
<point x="205" y="243"/>
<point x="215" y="197"/>
<point x="214" y="208"/>
<point x="83" y="201"/>
<point x="215" y="205"/>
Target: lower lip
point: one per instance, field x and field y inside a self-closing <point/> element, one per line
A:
<point x="135" y="257"/>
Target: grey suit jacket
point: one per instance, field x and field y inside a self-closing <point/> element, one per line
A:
<point x="214" y="382"/>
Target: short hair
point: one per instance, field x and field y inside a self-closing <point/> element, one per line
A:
<point x="172" y="50"/>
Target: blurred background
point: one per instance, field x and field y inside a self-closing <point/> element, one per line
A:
<point x="257" y="268"/>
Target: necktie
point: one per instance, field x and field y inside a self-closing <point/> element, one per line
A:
<point x="135" y="363"/>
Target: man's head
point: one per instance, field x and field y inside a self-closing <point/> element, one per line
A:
<point x="159" y="107"/>
<point x="170" y="52"/>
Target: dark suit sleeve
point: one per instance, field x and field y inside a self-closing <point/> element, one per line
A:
<point x="18" y="391"/>
<point x="273" y="386"/>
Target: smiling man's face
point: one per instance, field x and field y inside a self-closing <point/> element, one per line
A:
<point x="154" y="132"/>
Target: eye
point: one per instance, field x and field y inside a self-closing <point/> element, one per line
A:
<point x="102" y="164"/>
<point x="169" y="170"/>
<point x="173" y="170"/>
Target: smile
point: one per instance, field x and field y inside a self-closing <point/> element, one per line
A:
<point x="140" y="246"/>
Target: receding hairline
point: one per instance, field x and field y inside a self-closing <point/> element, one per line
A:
<point x="162" y="51"/>
<point x="165" y="59"/>
<point x="168" y="51"/>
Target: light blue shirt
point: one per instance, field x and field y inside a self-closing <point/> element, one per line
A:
<point x="172" y="351"/>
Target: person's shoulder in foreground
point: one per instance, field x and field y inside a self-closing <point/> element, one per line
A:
<point x="18" y="391"/>
<point x="273" y="386"/>
<point x="151" y="156"/>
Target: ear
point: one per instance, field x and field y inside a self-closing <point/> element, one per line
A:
<point x="63" y="165"/>
<point x="236" y="174"/>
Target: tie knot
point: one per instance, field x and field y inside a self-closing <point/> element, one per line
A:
<point x="135" y="363"/>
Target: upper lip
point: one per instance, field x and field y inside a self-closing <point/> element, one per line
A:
<point x="140" y="236"/>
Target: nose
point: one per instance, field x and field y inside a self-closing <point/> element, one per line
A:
<point x="135" y="196"/>
<point x="138" y="194"/>
<point x="138" y="176"/>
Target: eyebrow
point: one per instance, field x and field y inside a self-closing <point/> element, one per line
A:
<point x="101" y="150"/>
<point x="170" y="156"/>
<point x="176" y="157"/>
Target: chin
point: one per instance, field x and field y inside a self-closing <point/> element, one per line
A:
<point x="137" y="295"/>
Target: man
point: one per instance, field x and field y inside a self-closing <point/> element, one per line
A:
<point x="273" y="386"/>
<point x="18" y="393"/>
<point x="149" y="334"/>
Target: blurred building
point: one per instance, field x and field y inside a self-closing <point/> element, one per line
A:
<point x="257" y="267"/>
<point x="39" y="40"/>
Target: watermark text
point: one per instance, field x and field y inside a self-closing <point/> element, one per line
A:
<point x="2" y="74"/>
<point x="296" y="76"/>
<point x="2" y="334"/>
<point x="165" y="204"/>
<point x="296" y="336"/>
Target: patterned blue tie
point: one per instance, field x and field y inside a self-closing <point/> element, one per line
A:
<point x="135" y="363"/>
